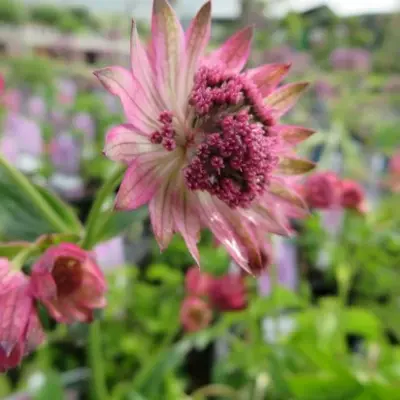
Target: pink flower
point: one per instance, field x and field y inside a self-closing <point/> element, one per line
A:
<point x="353" y="196"/>
<point x="322" y="190"/>
<point x="228" y="293"/>
<point x="203" y="142"/>
<point x="69" y="283"/>
<point x="195" y="314"/>
<point x="394" y="173"/>
<point x="2" y="84"/>
<point x="20" y="329"/>
<point x="197" y="283"/>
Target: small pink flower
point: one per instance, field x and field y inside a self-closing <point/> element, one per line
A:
<point x="228" y="293"/>
<point x="394" y="164"/>
<point x="67" y="280"/>
<point x="197" y="283"/>
<point x="20" y="329"/>
<point x="203" y="142"/>
<point x="2" y="84"/>
<point x="353" y="196"/>
<point x="322" y="190"/>
<point x="195" y="314"/>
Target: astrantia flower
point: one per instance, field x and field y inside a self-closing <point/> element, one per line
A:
<point x="322" y="190"/>
<point x="228" y="293"/>
<point x="203" y="143"/>
<point x="197" y="283"/>
<point x="195" y="314"/>
<point x="69" y="283"/>
<point x="20" y="329"/>
<point x="353" y="196"/>
<point x="394" y="172"/>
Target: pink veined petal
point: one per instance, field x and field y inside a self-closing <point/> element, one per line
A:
<point x="143" y="72"/>
<point x="267" y="77"/>
<point x="230" y="230"/>
<point x="120" y="82"/>
<point x="43" y="286"/>
<point x="16" y="307"/>
<point x="197" y="37"/>
<point x="187" y="221"/>
<point x="140" y="183"/>
<point x="235" y="52"/>
<point x="161" y="213"/>
<point x="292" y="135"/>
<point x="167" y="51"/>
<point x="35" y="334"/>
<point x="267" y="219"/>
<point x="284" y="98"/>
<point x="124" y="143"/>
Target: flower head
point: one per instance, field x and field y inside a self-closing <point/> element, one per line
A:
<point x="20" y="329"/>
<point x="69" y="283"/>
<point x="203" y="142"/>
<point x="322" y="190"/>
<point x="228" y="293"/>
<point x="195" y="314"/>
<point x="197" y="283"/>
<point x="353" y="196"/>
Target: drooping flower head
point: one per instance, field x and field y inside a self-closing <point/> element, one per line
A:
<point x="322" y="190"/>
<point x="69" y="283"/>
<point x="203" y="142"/>
<point x="195" y="314"/>
<point x="353" y="196"/>
<point x="20" y="329"/>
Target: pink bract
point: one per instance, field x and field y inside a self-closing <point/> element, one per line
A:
<point x="195" y="314"/>
<point x="20" y="329"/>
<point x="203" y="143"/>
<point x="69" y="283"/>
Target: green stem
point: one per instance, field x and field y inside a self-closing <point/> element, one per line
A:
<point x="93" y="220"/>
<point x="99" y="389"/>
<point x="94" y="350"/>
<point x="34" y="196"/>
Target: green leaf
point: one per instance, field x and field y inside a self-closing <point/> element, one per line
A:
<point x="362" y="322"/>
<point x="63" y="209"/>
<point x="51" y="389"/>
<point x="323" y="387"/>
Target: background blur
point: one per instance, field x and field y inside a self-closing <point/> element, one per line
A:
<point x="327" y="326"/>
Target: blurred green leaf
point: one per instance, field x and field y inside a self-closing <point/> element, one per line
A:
<point x="51" y="388"/>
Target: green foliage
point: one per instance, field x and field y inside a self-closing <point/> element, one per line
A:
<point x="11" y="12"/>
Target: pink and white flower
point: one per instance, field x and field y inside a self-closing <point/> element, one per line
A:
<point x="69" y="283"/>
<point x="20" y="328"/>
<point x="203" y="142"/>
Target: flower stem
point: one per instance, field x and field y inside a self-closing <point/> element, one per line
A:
<point x="99" y="389"/>
<point x="93" y="222"/>
<point x="34" y="196"/>
<point x="94" y="350"/>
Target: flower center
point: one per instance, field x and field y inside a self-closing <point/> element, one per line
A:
<point x="237" y="150"/>
<point x="68" y="275"/>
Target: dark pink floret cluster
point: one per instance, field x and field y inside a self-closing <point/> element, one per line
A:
<point x="235" y="162"/>
<point x="166" y="135"/>
<point x="216" y="90"/>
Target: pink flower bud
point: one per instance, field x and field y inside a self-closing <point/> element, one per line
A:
<point x="352" y="195"/>
<point x="67" y="280"/>
<point x="322" y="190"/>
<point x="228" y="293"/>
<point x="20" y="329"/>
<point x="195" y="314"/>
<point x="197" y="283"/>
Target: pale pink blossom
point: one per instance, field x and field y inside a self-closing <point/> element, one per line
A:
<point x="20" y="329"/>
<point x="67" y="280"/>
<point x="203" y="142"/>
<point x="322" y="190"/>
<point x="195" y="314"/>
